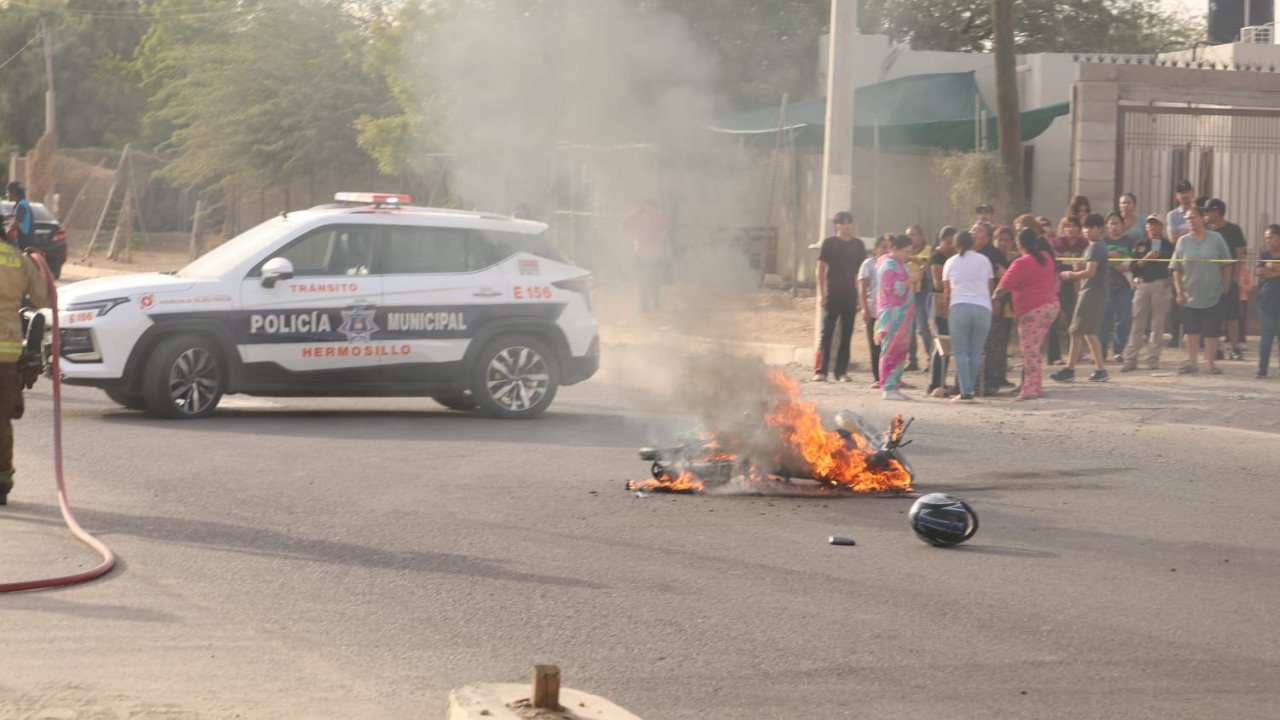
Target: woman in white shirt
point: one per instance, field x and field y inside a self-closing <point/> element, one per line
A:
<point x="968" y="281"/>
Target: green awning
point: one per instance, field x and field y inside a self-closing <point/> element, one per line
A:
<point x="930" y="111"/>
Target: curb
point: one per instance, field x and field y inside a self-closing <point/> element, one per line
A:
<point x="771" y="353"/>
<point x="492" y="701"/>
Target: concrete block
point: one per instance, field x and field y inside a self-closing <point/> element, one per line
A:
<point x="1097" y="92"/>
<point x="1097" y="131"/>
<point x="1095" y="171"/>
<point x="1095" y="189"/>
<point x="491" y="701"/>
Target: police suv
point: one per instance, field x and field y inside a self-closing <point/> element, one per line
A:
<point x="365" y="297"/>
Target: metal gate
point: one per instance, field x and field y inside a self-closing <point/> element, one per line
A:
<point x="1232" y="154"/>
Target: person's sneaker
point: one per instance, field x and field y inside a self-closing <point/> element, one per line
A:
<point x="1188" y="370"/>
<point x="843" y="378"/>
<point x="1215" y="371"/>
<point x="1117" y="358"/>
<point x="1261" y="374"/>
<point x="895" y="394"/>
<point x="1129" y="367"/>
<point x="1237" y="355"/>
<point x="818" y="377"/>
<point x="1099" y="376"/>
<point x="963" y="399"/>
<point x="1066" y="374"/>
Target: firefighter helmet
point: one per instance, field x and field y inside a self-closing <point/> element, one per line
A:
<point x="943" y="520"/>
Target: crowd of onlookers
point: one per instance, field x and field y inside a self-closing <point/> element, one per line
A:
<point x="1089" y="289"/>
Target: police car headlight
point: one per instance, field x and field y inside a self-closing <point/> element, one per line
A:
<point x="102" y="307"/>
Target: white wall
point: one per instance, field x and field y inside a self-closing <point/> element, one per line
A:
<point x="1044" y="79"/>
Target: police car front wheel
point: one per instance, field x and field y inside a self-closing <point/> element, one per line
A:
<point x="184" y="378"/>
<point x="127" y="399"/>
<point x="515" y="377"/>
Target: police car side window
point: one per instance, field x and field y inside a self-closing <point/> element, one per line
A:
<point x="426" y="250"/>
<point x="334" y="250"/>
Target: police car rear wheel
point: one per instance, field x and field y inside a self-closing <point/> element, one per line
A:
<point x="184" y="378"/>
<point x="127" y="400"/>
<point x="516" y="377"/>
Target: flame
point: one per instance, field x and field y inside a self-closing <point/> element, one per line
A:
<point x="685" y="482"/>
<point x="836" y="461"/>
<point x="828" y="455"/>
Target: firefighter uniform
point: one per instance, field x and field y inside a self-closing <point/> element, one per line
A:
<point x="19" y="277"/>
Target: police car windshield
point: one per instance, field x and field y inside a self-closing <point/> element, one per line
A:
<point x="220" y="260"/>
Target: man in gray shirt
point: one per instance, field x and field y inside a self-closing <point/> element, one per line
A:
<point x="1092" y="302"/>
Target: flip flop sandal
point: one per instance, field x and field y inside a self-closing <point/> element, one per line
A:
<point x="1215" y="371"/>
<point x="1185" y="370"/>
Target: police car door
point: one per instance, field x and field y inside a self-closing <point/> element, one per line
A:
<point x="439" y="285"/>
<point x="317" y="327"/>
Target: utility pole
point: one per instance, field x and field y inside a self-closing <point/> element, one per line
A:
<point x="1009" y="128"/>
<point x="50" y="124"/>
<point x="837" y="153"/>
<point x="837" y="156"/>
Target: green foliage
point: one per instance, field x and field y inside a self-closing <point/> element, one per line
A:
<point x="1086" y="26"/>
<point x="764" y="47"/>
<point x="396" y="55"/>
<point x="97" y="105"/>
<point x="277" y="100"/>
<point x="975" y="178"/>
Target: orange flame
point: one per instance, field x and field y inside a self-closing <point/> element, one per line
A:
<point x="827" y="456"/>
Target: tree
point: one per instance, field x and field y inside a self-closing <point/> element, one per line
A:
<point x="274" y="97"/>
<point x="764" y="47"/>
<point x="92" y="39"/>
<point x="1095" y="26"/>
<point x="1007" y="120"/>
<point x="397" y="54"/>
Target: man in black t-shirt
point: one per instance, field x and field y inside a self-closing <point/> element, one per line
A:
<point x="945" y="248"/>
<point x="838" y="262"/>
<point x="995" y="363"/>
<point x="1229" y="308"/>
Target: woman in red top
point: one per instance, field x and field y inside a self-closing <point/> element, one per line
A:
<point x="1032" y="281"/>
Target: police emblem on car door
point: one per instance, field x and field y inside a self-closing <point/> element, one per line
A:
<point x="320" y="324"/>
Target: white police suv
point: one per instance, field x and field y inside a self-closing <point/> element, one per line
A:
<point x="365" y="297"/>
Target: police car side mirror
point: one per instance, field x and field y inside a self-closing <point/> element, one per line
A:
<point x="274" y="270"/>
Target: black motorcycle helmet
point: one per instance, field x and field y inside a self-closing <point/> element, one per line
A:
<point x="942" y="520"/>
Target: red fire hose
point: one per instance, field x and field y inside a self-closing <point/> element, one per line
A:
<point x="108" y="557"/>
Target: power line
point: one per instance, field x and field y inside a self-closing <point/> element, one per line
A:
<point x="24" y="47"/>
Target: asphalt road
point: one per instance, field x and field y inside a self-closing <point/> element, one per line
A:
<point x="360" y="558"/>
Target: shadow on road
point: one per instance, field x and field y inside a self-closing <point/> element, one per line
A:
<point x="262" y="542"/>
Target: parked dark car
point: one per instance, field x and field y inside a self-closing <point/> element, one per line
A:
<point x="51" y="237"/>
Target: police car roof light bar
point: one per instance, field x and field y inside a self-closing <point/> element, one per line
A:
<point x="375" y="199"/>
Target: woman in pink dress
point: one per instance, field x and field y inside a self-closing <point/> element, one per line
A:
<point x="1032" y="281"/>
<point x="895" y="303"/>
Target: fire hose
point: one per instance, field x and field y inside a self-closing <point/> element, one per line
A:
<point x="108" y="557"/>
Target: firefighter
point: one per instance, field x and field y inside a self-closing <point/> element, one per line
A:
<point x="20" y="278"/>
